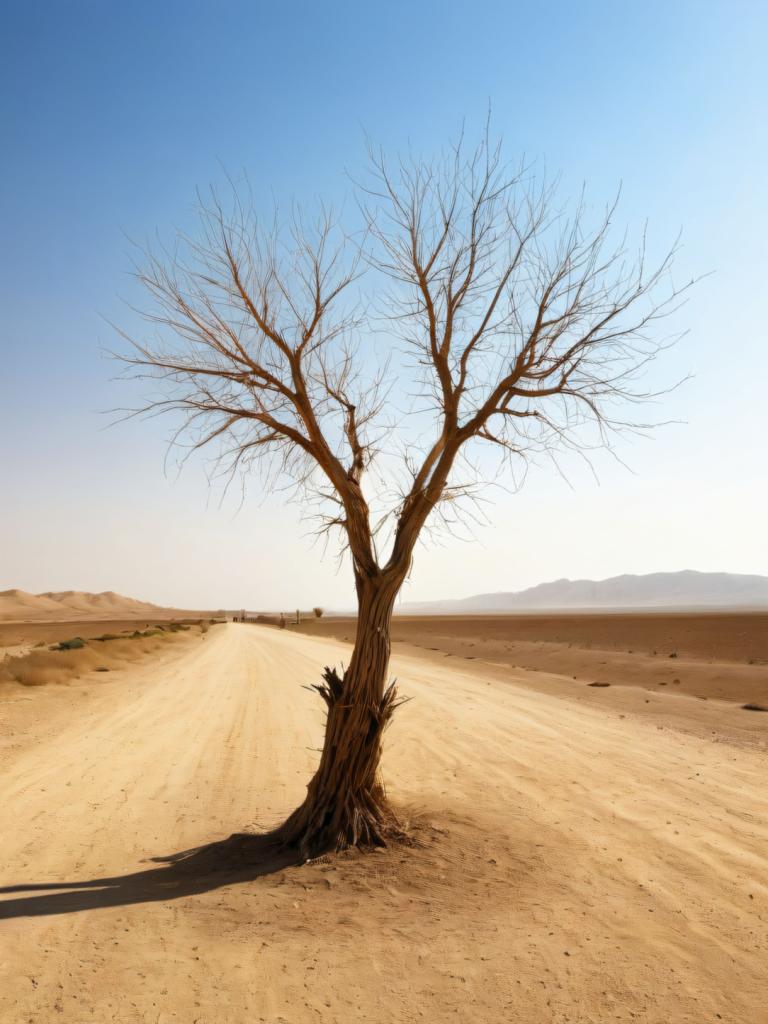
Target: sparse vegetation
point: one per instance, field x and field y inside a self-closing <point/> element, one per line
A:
<point x="75" y="657"/>
<point x="70" y="645"/>
<point x="318" y="612"/>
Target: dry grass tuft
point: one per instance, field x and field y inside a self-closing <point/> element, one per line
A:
<point x="63" y="664"/>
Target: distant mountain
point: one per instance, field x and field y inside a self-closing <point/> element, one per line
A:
<point x="673" y="590"/>
<point x="73" y="605"/>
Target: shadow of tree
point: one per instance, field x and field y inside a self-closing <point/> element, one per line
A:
<point x="240" y="858"/>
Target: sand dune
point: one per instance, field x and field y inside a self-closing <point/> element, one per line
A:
<point x="72" y="605"/>
<point x="583" y="865"/>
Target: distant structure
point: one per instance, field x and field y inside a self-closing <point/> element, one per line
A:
<point x="262" y="618"/>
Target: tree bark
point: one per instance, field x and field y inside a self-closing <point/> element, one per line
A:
<point x="346" y="804"/>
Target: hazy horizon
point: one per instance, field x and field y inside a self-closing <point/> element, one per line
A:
<point x="667" y="102"/>
<point x="454" y="599"/>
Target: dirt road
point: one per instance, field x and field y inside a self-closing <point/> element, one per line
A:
<point x="583" y="865"/>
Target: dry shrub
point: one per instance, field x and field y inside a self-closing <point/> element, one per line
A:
<point x="39" y="668"/>
<point x="75" y="644"/>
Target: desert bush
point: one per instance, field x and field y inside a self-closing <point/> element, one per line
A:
<point x="71" y="645"/>
<point x="204" y="625"/>
<point x="55" y="665"/>
<point x="318" y="612"/>
<point x="38" y="668"/>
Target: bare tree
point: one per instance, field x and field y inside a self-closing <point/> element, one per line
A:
<point x="526" y="327"/>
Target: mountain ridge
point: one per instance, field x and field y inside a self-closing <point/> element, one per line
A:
<point x="687" y="588"/>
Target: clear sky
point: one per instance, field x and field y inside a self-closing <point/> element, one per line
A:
<point x="112" y="115"/>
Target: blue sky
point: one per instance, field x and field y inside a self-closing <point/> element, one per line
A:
<point x="113" y="114"/>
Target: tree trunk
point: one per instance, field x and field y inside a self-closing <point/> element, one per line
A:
<point x="346" y="804"/>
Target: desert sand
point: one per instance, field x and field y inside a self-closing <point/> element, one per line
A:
<point x="578" y="863"/>
<point x="712" y="655"/>
<point x="19" y="606"/>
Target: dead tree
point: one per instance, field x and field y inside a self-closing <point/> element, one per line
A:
<point x="517" y="327"/>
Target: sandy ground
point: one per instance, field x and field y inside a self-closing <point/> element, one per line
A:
<point x="716" y="655"/>
<point x="580" y="864"/>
